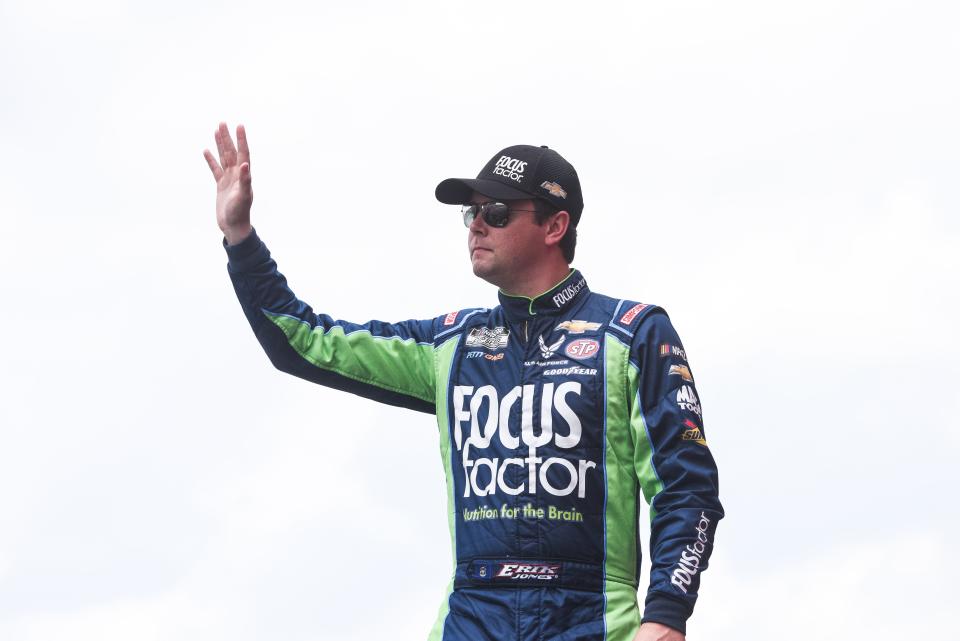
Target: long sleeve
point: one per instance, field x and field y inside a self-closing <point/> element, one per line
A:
<point x="388" y="362"/>
<point x="676" y="470"/>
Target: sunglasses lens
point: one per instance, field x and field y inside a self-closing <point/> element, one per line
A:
<point x="496" y="214"/>
<point x="469" y="213"/>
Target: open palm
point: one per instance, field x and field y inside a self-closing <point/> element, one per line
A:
<point x="234" y="189"/>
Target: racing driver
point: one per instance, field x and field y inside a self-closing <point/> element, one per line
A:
<point x="555" y="409"/>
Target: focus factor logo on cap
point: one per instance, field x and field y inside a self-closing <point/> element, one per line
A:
<point x="511" y="168"/>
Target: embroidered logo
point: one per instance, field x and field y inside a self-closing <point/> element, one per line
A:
<point x="578" y="326"/>
<point x="632" y="313"/>
<point x="488" y="338"/>
<point x="554" y="189"/>
<point x="547" y="352"/>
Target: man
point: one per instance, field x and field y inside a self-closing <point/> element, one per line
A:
<point x="555" y="409"/>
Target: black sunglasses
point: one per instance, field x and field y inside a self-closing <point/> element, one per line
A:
<point x="493" y="213"/>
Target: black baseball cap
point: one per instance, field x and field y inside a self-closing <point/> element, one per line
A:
<point x="518" y="172"/>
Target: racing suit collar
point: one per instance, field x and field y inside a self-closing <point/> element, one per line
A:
<point x="564" y="295"/>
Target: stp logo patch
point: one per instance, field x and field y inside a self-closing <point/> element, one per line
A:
<point x="582" y="348"/>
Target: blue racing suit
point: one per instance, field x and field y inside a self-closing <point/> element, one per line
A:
<point x="554" y="413"/>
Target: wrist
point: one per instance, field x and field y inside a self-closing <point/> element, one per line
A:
<point x="236" y="234"/>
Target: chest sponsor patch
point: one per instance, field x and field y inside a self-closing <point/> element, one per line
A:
<point x="570" y="371"/>
<point x="545" y="444"/>
<point x="582" y="348"/>
<point x="548" y="351"/>
<point x="578" y="326"/>
<point x="488" y="338"/>
<point x="554" y="363"/>
<point x="632" y="313"/>
<point x="485" y="356"/>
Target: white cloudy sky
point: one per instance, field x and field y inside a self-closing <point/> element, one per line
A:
<point x="781" y="177"/>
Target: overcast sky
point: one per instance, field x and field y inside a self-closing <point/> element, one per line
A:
<point x="782" y="178"/>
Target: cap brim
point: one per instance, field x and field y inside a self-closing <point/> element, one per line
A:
<point x="457" y="191"/>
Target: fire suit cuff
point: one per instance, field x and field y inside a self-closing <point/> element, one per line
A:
<point x="670" y="612"/>
<point x="245" y="254"/>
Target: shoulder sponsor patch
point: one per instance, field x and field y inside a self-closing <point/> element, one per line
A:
<point x="672" y="350"/>
<point x="488" y="337"/>
<point x="582" y="348"/>
<point x="578" y="326"/>
<point x="682" y="371"/>
<point x="451" y="318"/>
<point x="632" y="313"/>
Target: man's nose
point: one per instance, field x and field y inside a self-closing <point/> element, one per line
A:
<point x="478" y="225"/>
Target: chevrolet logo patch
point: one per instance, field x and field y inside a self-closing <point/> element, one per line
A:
<point x="554" y="189"/>
<point x="578" y="326"/>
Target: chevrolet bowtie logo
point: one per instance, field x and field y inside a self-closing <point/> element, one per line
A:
<point x="554" y="189"/>
<point x="578" y="326"/>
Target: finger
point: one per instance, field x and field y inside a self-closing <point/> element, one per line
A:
<point x="219" y="139"/>
<point x="245" y="173"/>
<point x="212" y="163"/>
<point x="228" y="157"/>
<point x="243" y="151"/>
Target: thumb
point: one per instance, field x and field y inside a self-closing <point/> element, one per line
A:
<point x="245" y="173"/>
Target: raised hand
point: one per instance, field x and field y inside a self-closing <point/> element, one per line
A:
<point x="234" y="189"/>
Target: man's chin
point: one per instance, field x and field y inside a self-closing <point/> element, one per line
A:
<point x="485" y="272"/>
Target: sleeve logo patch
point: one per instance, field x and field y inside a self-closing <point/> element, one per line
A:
<point x="690" y="558"/>
<point x="451" y="318"/>
<point x="632" y="313"/>
<point x="687" y="400"/>
<point x="682" y="371"/>
<point x="692" y="433"/>
<point x="672" y="350"/>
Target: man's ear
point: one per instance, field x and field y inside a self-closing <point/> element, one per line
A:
<point x="557" y="227"/>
